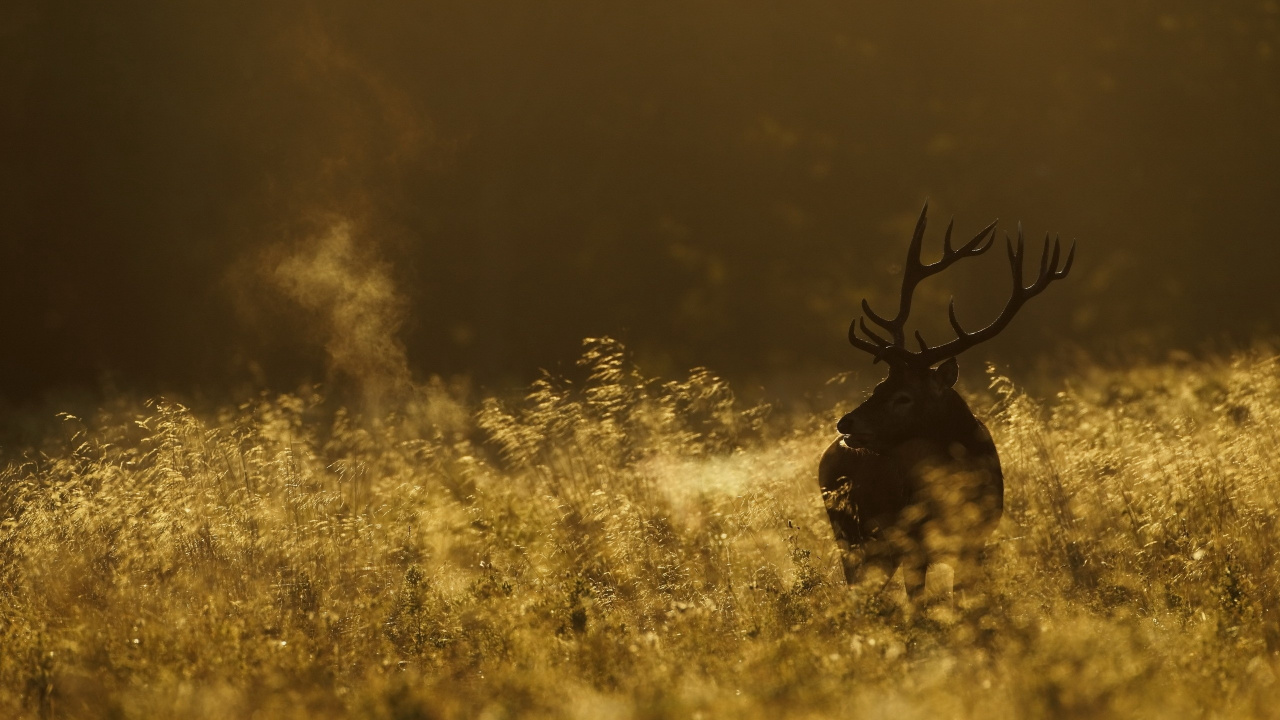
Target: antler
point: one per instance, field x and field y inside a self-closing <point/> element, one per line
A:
<point x="1049" y="271"/>
<point x="913" y="273"/>
<point x="895" y="351"/>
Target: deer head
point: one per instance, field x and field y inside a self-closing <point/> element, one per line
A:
<point x="917" y="398"/>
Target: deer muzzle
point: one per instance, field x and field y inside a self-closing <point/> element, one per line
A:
<point x="854" y="426"/>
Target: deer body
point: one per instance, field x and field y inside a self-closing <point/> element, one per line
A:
<point x="914" y="477"/>
<point x="914" y="487"/>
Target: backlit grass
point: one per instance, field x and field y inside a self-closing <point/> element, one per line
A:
<point x="627" y="547"/>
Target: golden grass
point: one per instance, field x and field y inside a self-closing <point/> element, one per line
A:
<point x="628" y="548"/>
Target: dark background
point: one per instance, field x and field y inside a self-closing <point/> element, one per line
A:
<point x="715" y="183"/>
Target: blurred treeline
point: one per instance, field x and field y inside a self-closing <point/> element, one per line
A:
<point x="715" y="182"/>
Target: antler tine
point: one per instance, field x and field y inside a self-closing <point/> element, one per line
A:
<point x="862" y="325"/>
<point x="912" y="273"/>
<point x="1044" y="259"/>
<point x="920" y="339"/>
<point x="875" y="317"/>
<point x="946" y="239"/>
<point x="1066" y="267"/>
<point x="876" y="353"/>
<point x="972" y="248"/>
<point x="1015" y="257"/>
<point x="917" y="240"/>
<point x="955" y="322"/>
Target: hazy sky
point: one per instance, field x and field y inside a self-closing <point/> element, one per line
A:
<point x="204" y="191"/>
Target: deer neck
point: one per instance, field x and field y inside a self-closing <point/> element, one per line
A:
<point x="955" y="423"/>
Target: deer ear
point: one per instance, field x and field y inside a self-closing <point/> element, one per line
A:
<point x="946" y="373"/>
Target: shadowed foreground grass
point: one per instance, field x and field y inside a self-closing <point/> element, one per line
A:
<point x="629" y="548"/>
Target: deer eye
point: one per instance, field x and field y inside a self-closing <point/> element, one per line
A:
<point x="901" y="400"/>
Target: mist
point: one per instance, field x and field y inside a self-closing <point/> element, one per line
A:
<point x="353" y="302"/>
<point x="715" y="184"/>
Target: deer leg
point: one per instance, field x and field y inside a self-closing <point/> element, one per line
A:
<point x="968" y="575"/>
<point x="873" y="557"/>
<point x="913" y="575"/>
<point x="860" y="573"/>
<point x="886" y="566"/>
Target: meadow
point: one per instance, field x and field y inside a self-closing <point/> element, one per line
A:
<point x="614" y="545"/>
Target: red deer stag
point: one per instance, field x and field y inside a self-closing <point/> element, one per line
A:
<point x="914" y="477"/>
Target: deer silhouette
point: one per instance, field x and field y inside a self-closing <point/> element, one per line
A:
<point x="914" y="478"/>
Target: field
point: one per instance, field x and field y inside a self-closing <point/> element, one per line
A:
<point x="627" y="547"/>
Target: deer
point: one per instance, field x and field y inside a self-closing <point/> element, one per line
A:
<point x="914" y="478"/>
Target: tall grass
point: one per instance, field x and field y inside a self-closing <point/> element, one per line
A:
<point x="625" y="547"/>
